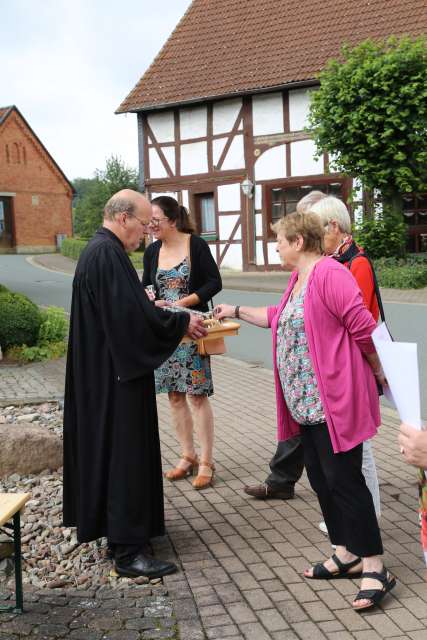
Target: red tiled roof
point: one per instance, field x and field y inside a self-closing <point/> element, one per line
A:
<point x="229" y="47"/>
<point x="4" y="112"/>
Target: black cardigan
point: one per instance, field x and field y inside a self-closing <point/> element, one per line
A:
<point x="205" y="279"/>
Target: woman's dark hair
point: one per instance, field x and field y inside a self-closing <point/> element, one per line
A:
<point x="175" y="212"/>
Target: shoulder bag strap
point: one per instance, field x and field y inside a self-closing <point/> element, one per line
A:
<point x="361" y="254"/>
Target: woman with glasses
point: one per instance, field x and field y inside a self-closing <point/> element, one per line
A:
<point x="180" y="267"/>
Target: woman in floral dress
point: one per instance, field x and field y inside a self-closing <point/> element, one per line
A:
<point x="325" y="367"/>
<point x="180" y="267"/>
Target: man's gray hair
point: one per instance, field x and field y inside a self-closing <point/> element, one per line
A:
<point x="305" y="204"/>
<point x="117" y="204"/>
<point x="331" y="208"/>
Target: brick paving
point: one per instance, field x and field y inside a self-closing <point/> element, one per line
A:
<point x="33" y="383"/>
<point x="241" y="559"/>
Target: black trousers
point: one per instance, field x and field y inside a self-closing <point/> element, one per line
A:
<point x="345" y="500"/>
<point x="287" y="464"/>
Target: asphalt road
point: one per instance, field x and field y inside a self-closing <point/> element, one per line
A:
<point x="407" y="322"/>
<point x="47" y="288"/>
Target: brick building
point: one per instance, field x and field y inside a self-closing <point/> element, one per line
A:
<point x="35" y="195"/>
<point x="222" y="115"/>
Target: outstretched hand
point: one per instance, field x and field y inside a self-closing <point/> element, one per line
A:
<point x="196" y="329"/>
<point x="413" y="445"/>
<point x="224" y="311"/>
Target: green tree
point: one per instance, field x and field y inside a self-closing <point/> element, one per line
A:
<point x="95" y="192"/>
<point x="370" y="113"/>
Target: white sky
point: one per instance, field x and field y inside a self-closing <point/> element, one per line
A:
<point x="68" y="64"/>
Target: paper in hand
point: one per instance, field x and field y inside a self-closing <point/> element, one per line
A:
<point x="399" y="361"/>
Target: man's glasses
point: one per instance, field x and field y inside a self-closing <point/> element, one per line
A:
<point x="155" y="222"/>
<point x="143" y="224"/>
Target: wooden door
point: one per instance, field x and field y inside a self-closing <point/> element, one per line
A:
<point x="5" y="222"/>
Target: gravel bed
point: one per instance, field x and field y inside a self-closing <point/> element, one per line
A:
<point x="52" y="557"/>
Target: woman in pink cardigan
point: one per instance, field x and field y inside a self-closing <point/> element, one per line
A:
<point x="325" y="369"/>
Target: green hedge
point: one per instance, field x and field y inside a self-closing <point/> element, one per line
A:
<point x="20" y="320"/>
<point x="402" y="273"/>
<point x="72" y="248"/>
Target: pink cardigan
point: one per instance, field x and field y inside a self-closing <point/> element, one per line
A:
<point x="338" y="328"/>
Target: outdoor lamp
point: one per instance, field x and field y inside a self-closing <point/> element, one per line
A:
<point x="247" y="187"/>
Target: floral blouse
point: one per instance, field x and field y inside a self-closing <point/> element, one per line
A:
<point x="294" y="364"/>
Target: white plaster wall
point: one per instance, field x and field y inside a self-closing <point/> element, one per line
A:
<point x="169" y="153"/>
<point x="267" y="114"/>
<point x="235" y="158"/>
<point x="229" y="197"/>
<point x="224" y="115"/>
<point x="332" y="163"/>
<point x="357" y="189"/>
<point x="358" y="214"/>
<point x="258" y="224"/>
<point x="217" y="148"/>
<point x="259" y="253"/>
<point x="271" y="164"/>
<point x="194" y="158"/>
<point x="193" y="122"/>
<point x="162" y="125"/>
<point x="299" y="102"/>
<point x="184" y="195"/>
<point x="233" y="258"/>
<point x="157" y="169"/>
<point x="171" y="194"/>
<point x="302" y="159"/>
<point x="273" y="256"/>
<point x="258" y="197"/>
<point x="226" y="226"/>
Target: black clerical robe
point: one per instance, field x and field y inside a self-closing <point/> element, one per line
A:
<point x="112" y="468"/>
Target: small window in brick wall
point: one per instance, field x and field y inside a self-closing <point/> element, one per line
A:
<point x="35" y="201"/>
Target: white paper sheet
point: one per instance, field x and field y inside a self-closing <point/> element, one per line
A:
<point x="400" y="364"/>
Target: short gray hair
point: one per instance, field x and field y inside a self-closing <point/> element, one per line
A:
<point x="305" y="204"/>
<point x="331" y="208"/>
<point x="117" y="204"/>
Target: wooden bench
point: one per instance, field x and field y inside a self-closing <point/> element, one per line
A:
<point x="11" y="505"/>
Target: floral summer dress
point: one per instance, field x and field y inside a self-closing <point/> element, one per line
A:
<point x="186" y="370"/>
<point x="294" y="364"/>
<point x="422" y="482"/>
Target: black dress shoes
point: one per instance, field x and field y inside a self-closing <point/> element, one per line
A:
<point x="144" y="565"/>
<point x="265" y="492"/>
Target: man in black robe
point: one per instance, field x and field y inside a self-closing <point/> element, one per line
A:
<point x="112" y="467"/>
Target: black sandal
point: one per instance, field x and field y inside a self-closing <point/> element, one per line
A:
<point x="375" y="595"/>
<point x="320" y="572"/>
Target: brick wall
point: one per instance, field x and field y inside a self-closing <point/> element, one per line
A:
<point x="42" y="205"/>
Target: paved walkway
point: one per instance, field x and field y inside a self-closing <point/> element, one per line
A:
<point x="242" y="560"/>
<point x="271" y="281"/>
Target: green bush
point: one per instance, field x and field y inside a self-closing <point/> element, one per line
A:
<point x="72" y="247"/>
<point x="38" y="353"/>
<point x="3" y="289"/>
<point x="54" y="326"/>
<point x="399" y="273"/>
<point x="382" y="237"/>
<point x="20" y="320"/>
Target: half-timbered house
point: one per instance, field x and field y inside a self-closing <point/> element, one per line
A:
<point x="223" y="108"/>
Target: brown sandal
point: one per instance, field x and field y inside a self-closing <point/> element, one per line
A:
<point x="202" y="481"/>
<point x="179" y="473"/>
